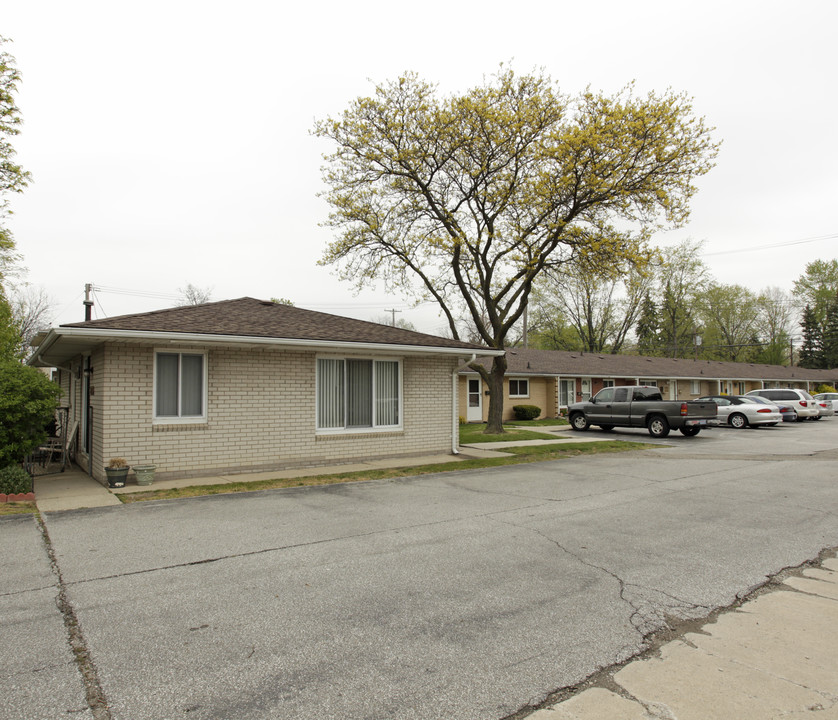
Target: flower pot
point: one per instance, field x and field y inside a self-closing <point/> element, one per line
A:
<point x="116" y="476"/>
<point x="145" y="474"/>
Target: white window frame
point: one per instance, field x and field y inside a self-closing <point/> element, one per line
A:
<point x="356" y="430"/>
<point x="519" y="380"/>
<point x="607" y="383"/>
<point x="695" y="387"/>
<point x="648" y="383"/>
<point x="180" y="419"/>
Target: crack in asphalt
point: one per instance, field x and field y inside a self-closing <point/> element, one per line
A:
<point x="293" y="546"/>
<point x="27" y="590"/>
<point x="604" y="676"/>
<point x="541" y="503"/>
<point x="646" y="618"/>
<point x="94" y="694"/>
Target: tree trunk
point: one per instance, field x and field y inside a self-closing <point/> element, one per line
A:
<point x="494" y="426"/>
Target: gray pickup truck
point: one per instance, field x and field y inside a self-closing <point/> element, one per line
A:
<point x="640" y="406"/>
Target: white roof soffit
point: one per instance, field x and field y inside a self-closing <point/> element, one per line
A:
<point x="75" y="340"/>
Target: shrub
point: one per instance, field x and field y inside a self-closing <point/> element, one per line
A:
<point x="526" y="412"/>
<point x="14" y="479"/>
<point x="824" y="389"/>
<point x="27" y="403"/>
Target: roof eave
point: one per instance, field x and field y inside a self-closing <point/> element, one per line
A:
<point x="99" y="335"/>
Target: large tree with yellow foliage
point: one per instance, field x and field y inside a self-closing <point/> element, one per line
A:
<point x="466" y="199"/>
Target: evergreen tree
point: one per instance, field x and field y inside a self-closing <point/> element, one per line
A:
<point x="830" y="336"/>
<point x="647" y="327"/>
<point x="811" y="351"/>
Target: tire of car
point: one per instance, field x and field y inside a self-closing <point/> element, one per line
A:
<point x="690" y="431"/>
<point x="657" y="426"/>
<point x="738" y="421"/>
<point x="817" y="417"/>
<point x="578" y="421"/>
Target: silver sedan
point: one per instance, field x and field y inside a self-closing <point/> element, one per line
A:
<point x="830" y="399"/>
<point x="740" y="411"/>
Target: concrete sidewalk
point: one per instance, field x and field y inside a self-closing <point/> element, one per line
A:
<point x="773" y="657"/>
<point x="75" y="489"/>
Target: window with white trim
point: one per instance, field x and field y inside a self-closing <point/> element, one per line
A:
<point x="357" y="393"/>
<point x="519" y="388"/>
<point x="607" y="383"/>
<point x="648" y="383"/>
<point x="180" y="386"/>
<point x="695" y="387"/>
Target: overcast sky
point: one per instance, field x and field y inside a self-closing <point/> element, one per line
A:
<point x="170" y="142"/>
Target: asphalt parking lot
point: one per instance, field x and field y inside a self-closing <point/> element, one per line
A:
<point x="464" y="595"/>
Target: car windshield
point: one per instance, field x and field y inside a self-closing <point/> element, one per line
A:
<point x="750" y="401"/>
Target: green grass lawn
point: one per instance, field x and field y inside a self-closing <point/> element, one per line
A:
<point x="17" y="508"/>
<point x="544" y="422"/>
<point x="474" y="433"/>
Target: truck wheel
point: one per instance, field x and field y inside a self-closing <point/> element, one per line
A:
<point x="738" y="421"/>
<point x="690" y="431"/>
<point x="578" y="421"/>
<point x="657" y="426"/>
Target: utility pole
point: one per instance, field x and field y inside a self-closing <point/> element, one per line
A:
<point x="393" y="313"/>
<point x="88" y="303"/>
<point x="525" y="326"/>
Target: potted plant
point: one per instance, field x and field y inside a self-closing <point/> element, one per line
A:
<point x="145" y="473"/>
<point x="117" y="471"/>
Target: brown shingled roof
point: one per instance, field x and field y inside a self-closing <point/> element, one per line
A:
<point x="526" y="361"/>
<point x="249" y="317"/>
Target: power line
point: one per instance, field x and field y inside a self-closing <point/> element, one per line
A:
<point x="787" y="243"/>
<point x="136" y="293"/>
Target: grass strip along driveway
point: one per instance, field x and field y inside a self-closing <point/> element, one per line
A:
<point x="475" y="433"/>
<point x="517" y="455"/>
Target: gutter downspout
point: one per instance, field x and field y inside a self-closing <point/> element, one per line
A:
<point x="455" y="396"/>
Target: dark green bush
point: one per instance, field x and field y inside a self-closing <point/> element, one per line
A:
<point x="14" y="479"/>
<point x="526" y="412"/>
<point x="28" y="399"/>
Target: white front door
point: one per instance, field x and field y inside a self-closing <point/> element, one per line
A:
<point x="567" y="393"/>
<point x="475" y="401"/>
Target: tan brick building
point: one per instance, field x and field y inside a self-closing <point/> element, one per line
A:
<point x="553" y="379"/>
<point x="247" y="385"/>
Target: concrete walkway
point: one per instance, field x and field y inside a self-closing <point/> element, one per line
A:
<point x="774" y="657"/>
<point x="75" y="489"/>
<point x="71" y="490"/>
